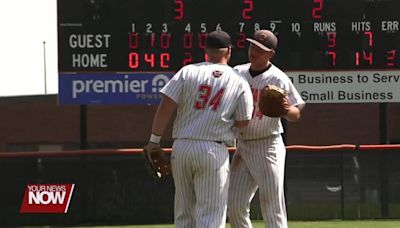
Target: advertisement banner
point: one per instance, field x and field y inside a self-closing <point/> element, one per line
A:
<point x="111" y="88"/>
<point x="347" y="86"/>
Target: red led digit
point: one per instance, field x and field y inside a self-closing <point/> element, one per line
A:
<point x="369" y="35"/>
<point x="333" y="57"/>
<point x="152" y="39"/>
<point x="165" y="39"/>
<point x="368" y="57"/>
<point x="149" y="58"/>
<point x="249" y="5"/>
<point x="357" y="58"/>
<point x="164" y="60"/>
<point x="133" y="40"/>
<point x="241" y="41"/>
<point x="365" y="56"/>
<point x="188" y="58"/>
<point x="202" y="39"/>
<point x="188" y="40"/>
<point x="133" y="60"/>
<point x="331" y="39"/>
<point x="390" y="57"/>
<point x="316" y="10"/>
<point x="179" y="9"/>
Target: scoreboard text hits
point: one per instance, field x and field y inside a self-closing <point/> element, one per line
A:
<point x="154" y="35"/>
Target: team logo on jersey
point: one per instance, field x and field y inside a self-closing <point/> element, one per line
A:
<point x="217" y="73"/>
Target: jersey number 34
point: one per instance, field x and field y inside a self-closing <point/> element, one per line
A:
<point x="205" y="100"/>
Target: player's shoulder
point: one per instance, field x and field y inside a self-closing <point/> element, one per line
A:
<point x="275" y="69"/>
<point x="239" y="79"/>
<point x="277" y="73"/>
<point x="193" y="69"/>
<point x="236" y="74"/>
<point x="193" y="66"/>
<point x="242" y="67"/>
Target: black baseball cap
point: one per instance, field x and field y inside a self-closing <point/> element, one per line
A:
<point x="264" y="39"/>
<point x="218" y="39"/>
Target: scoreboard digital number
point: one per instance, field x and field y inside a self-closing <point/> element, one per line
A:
<point x="157" y="36"/>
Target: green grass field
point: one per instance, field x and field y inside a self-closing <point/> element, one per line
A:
<point x="302" y="224"/>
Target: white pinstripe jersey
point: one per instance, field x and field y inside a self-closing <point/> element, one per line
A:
<point x="210" y="98"/>
<point x="262" y="126"/>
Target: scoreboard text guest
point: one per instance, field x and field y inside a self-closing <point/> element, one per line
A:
<point x="153" y="35"/>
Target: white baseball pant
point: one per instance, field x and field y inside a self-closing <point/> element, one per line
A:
<point x="258" y="164"/>
<point x="201" y="175"/>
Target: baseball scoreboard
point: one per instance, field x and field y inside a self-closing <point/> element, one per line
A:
<point x="144" y="36"/>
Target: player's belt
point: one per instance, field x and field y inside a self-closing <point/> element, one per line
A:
<point x="221" y="142"/>
<point x="263" y="138"/>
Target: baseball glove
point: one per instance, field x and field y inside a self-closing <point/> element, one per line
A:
<point x="158" y="164"/>
<point x="273" y="101"/>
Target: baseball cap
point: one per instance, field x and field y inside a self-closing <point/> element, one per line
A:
<point x="264" y="39"/>
<point x="218" y="39"/>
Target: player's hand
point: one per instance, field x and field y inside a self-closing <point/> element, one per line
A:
<point x="236" y="160"/>
<point x="156" y="161"/>
<point x="152" y="147"/>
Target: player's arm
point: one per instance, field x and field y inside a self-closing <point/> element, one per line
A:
<point x="160" y="122"/>
<point x="296" y="103"/>
<point x="293" y="114"/>
<point x="159" y="163"/>
<point x="241" y="123"/>
<point x="245" y="107"/>
<point x="170" y="94"/>
<point x="163" y="115"/>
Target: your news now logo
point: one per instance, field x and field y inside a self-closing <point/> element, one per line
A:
<point x="47" y="198"/>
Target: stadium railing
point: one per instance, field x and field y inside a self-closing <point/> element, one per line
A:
<point x="112" y="186"/>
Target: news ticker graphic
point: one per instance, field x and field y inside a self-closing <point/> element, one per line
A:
<point x="47" y="198"/>
<point x="111" y="88"/>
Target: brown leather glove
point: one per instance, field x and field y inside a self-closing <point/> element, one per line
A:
<point x="273" y="101"/>
<point x="158" y="164"/>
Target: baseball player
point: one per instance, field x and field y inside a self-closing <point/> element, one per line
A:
<point x="259" y="160"/>
<point x="211" y="98"/>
